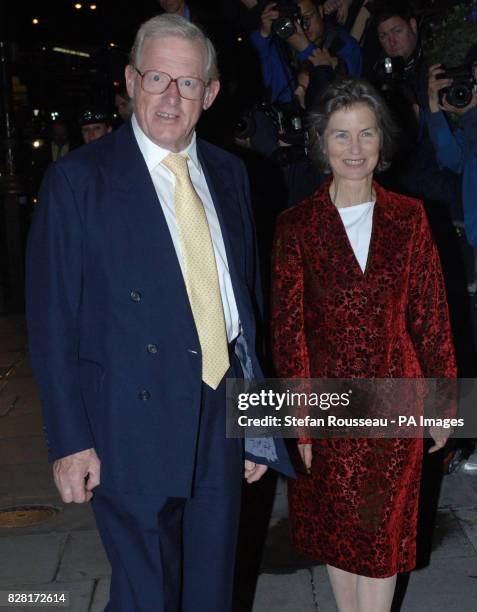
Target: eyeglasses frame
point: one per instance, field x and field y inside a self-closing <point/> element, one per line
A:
<point x="172" y="80"/>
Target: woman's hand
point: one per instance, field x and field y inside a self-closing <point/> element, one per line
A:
<point x="306" y="455"/>
<point x="440" y="436"/>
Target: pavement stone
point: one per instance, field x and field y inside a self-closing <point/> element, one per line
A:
<point x="325" y="601"/>
<point x="28" y="480"/>
<point x="279" y="594"/>
<point x="28" y="449"/>
<point x="100" y="595"/>
<point x="17" y="398"/>
<point x="449" y="539"/>
<point x="467" y="518"/>
<point x="22" y="370"/>
<point x="16" y="426"/>
<point x="458" y="490"/>
<point x="445" y="585"/>
<point x="30" y="559"/>
<point x="83" y="558"/>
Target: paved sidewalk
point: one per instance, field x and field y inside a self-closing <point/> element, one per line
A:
<point x="65" y="553"/>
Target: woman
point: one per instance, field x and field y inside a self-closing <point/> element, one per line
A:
<point x="358" y="292"/>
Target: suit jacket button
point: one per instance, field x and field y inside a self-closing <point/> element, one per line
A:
<point x="144" y="396"/>
<point x="152" y="349"/>
<point x="135" y="296"/>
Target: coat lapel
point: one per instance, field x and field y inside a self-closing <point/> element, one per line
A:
<point x="136" y="201"/>
<point x="221" y="183"/>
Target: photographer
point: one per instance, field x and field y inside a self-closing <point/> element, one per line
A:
<point x="282" y="50"/>
<point x="400" y="73"/>
<point x="457" y="150"/>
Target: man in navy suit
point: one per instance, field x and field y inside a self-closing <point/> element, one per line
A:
<point x="115" y="343"/>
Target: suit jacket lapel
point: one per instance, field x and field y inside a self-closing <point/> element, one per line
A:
<point x="136" y="199"/>
<point x="221" y="183"/>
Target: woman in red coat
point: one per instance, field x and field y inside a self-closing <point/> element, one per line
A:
<point x="358" y="292"/>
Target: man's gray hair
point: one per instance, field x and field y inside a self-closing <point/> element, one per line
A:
<point x="174" y="25"/>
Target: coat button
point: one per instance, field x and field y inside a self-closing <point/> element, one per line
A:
<point x="135" y="296"/>
<point x="152" y="349"/>
<point x="144" y="396"/>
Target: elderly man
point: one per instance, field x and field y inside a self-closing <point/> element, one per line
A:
<point x="141" y="298"/>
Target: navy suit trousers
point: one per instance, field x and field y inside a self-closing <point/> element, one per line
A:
<point x="178" y="554"/>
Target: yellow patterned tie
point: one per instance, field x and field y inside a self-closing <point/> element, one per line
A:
<point x="200" y="272"/>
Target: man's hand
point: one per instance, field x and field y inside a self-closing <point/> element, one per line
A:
<point x="267" y="18"/>
<point x="440" y="436"/>
<point x="306" y="455"/>
<point x="435" y="85"/>
<point x="299" y="41"/>
<point x="253" y="471"/>
<point x="76" y="476"/>
<point x="322" y="57"/>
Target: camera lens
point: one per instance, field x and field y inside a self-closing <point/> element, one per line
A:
<point x="459" y="95"/>
<point x="284" y="27"/>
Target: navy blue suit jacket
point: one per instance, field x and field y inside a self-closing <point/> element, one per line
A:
<point x="113" y="343"/>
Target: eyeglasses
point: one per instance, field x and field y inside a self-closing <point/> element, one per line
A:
<point x="157" y="82"/>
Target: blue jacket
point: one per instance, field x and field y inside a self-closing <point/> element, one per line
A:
<point x="457" y="151"/>
<point x="112" y="339"/>
<point x="274" y="74"/>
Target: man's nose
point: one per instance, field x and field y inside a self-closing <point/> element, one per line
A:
<point x="172" y="92"/>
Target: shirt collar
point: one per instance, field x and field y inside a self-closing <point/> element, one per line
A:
<point x="154" y="154"/>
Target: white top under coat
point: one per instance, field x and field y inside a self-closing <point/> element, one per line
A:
<point x="164" y="183"/>
<point x="358" y="223"/>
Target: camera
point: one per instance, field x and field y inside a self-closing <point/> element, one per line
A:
<point x="390" y="70"/>
<point x="459" y="94"/>
<point x="284" y="25"/>
<point x="287" y="123"/>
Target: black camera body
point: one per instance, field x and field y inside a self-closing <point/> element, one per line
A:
<point x="459" y="94"/>
<point x="284" y="25"/>
<point x="287" y="122"/>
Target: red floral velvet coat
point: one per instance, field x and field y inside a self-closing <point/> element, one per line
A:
<point x="357" y="510"/>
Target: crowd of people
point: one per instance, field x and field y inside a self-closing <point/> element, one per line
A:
<point x="143" y="254"/>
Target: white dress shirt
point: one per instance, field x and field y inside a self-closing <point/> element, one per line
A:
<point x="164" y="183"/>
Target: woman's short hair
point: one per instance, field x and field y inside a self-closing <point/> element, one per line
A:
<point x="345" y="94"/>
<point x="174" y="25"/>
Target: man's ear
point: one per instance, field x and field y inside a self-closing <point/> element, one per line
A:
<point x="210" y="94"/>
<point x="321" y="11"/>
<point x="413" y="24"/>
<point x="130" y="76"/>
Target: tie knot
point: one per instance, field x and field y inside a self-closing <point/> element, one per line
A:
<point x="177" y="164"/>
